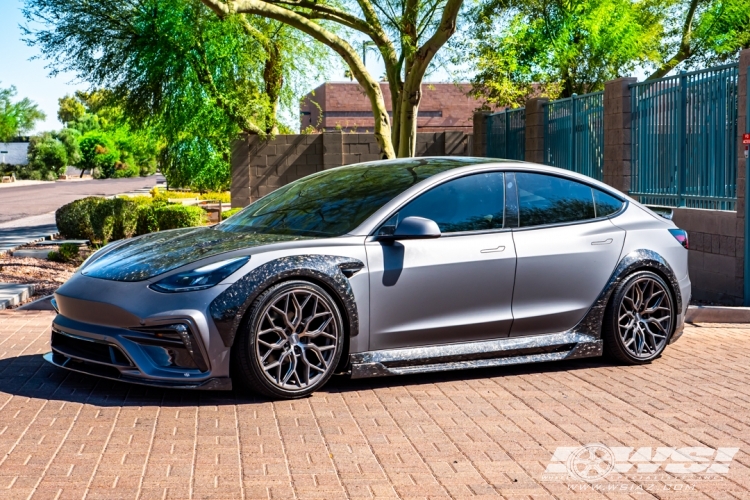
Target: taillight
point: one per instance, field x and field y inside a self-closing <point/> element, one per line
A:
<point x="681" y="236"/>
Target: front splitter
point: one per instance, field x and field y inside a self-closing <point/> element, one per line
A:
<point x="213" y="384"/>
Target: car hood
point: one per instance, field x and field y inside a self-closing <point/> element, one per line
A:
<point x="156" y="253"/>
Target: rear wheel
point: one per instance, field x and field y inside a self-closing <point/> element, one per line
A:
<point x="639" y="319"/>
<point x="292" y="342"/>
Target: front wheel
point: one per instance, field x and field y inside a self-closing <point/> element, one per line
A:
<point x="639" y="319"/>
<point x="292" y="342"/>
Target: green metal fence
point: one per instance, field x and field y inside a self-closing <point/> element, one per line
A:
<point x="685" y="139"/>
<point x="506" y="134"/>
<point x="574" y="134"/>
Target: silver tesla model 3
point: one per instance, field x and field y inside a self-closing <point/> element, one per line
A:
<point x="383" y="268"/>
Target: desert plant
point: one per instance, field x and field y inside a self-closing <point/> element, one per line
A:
<point x="67" y="252"/>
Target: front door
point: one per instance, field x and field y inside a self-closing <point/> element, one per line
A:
<point x="456" y="288"/>
<point x="567" y="250"/>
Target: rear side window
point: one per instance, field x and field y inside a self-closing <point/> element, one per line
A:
<point x="471" y="203"/>
<point x="605" y="204"/>
<point x="546" y="199"/>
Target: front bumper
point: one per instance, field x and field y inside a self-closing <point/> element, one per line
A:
<point x="168" y="354"/>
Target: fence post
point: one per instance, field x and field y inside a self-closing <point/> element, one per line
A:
<point x="479" y="139"/>
<point x="682" y="140"/>
<point x="617" y="133"/>
<point x="573" y="152"/>
<point x="535" y="113"/>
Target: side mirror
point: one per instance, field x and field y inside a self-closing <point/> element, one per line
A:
<point x="414" y="228"/>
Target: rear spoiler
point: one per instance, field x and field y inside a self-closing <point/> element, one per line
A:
<point x="665" y="212"/>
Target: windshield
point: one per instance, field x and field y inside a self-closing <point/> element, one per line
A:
<point x="334" y="202"/>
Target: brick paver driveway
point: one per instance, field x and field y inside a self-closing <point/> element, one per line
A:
<point x="487" y="433"/>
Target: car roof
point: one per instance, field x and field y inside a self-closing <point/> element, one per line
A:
<point x="463" y="166"/>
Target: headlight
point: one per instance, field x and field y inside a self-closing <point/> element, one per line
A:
<point x="200" y="278"/>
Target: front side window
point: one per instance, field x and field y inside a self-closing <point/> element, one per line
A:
<point x="546" y="199"/>
<point x="471" y="203"/>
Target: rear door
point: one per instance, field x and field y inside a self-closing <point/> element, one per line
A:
<point x="566" y="252"/>
<point x="456" y="288"/>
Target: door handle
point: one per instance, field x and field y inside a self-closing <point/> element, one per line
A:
<point x="603" y="242"/>
<point x="493" y="250"/>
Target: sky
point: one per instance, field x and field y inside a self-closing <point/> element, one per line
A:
<point x="30" y="77"/>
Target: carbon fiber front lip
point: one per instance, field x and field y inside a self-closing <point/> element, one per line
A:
<point x="213" y="384"/>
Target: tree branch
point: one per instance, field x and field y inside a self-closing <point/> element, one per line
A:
<point x="685" y="50"/>
<point x="337" y="44"/>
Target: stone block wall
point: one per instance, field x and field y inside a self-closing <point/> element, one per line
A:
<point x="716" y="253"/>
<point x="261" y="166"/>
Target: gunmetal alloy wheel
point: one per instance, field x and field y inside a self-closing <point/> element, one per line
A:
<point x="640" y="319"/>
<point x="294" y="341"/>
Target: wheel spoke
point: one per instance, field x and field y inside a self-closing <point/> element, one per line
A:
<point x="297" y="339"/>
<point x="645" y="317"/>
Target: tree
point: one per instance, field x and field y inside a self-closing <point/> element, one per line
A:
<point x="149" y="53"/>
<point x="48" y="155"/>
<point x="556" y="49"/>
<point x="419" y="29"/>
<point x="702" y="33"/>
<point x="70" y="109"/>
<point x="17" y="118"/>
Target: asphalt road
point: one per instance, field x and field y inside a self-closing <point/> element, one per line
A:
<point x="37" y="199"/>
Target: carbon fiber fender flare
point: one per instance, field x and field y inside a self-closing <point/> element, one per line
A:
<point x="228" y="308"/>
<point x="636" y="260"/>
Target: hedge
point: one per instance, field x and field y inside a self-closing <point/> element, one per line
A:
<point x="103" y="220"/>
<point x="228" y="213"/>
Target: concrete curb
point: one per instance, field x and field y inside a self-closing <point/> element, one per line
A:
<point x="43" y="304"/>
<point x="717" y="314"/>
<point x="12" y="294"/>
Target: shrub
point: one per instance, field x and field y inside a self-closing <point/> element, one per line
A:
<point x="100" y="220"/>
<point x="177" y="216"/>
<point x="74" y="219"/>
<point x="66" y="253"/>
<point x="228" y="213"/>
<point x="126" y="218"/>
<point x="222" y="196"/>
<point x="147" y="222"/>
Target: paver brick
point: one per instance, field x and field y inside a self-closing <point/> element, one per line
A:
<point x="472" y="434"/>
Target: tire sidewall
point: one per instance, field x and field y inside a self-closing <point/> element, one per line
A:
<point x="253" y="325"/>
<point x="615" y="338"/>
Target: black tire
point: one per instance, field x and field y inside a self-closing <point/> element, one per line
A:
<point x="630" y="337"/>
<point x="296" y="353"/>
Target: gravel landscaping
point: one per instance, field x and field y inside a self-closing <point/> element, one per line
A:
<point x="47" y="276"/>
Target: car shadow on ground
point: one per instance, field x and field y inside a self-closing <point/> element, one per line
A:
<point x="30" y="376"/>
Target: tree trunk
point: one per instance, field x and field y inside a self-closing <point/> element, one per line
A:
<point x="274" y="80"/>
<point x="337" y="44"/>
<point x="410" y="99"/>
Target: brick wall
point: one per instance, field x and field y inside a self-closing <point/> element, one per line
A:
<point x="336" y="98"/>
<point x="259" y="167"/>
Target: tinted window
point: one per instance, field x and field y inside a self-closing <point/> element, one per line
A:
<point x="471" y="203"/>
<point x="546" y="199"/>
<point x="605" y="204"/>
<point x="333" y="202"/>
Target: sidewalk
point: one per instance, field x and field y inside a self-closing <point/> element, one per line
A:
<point x="19" y="232"/>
